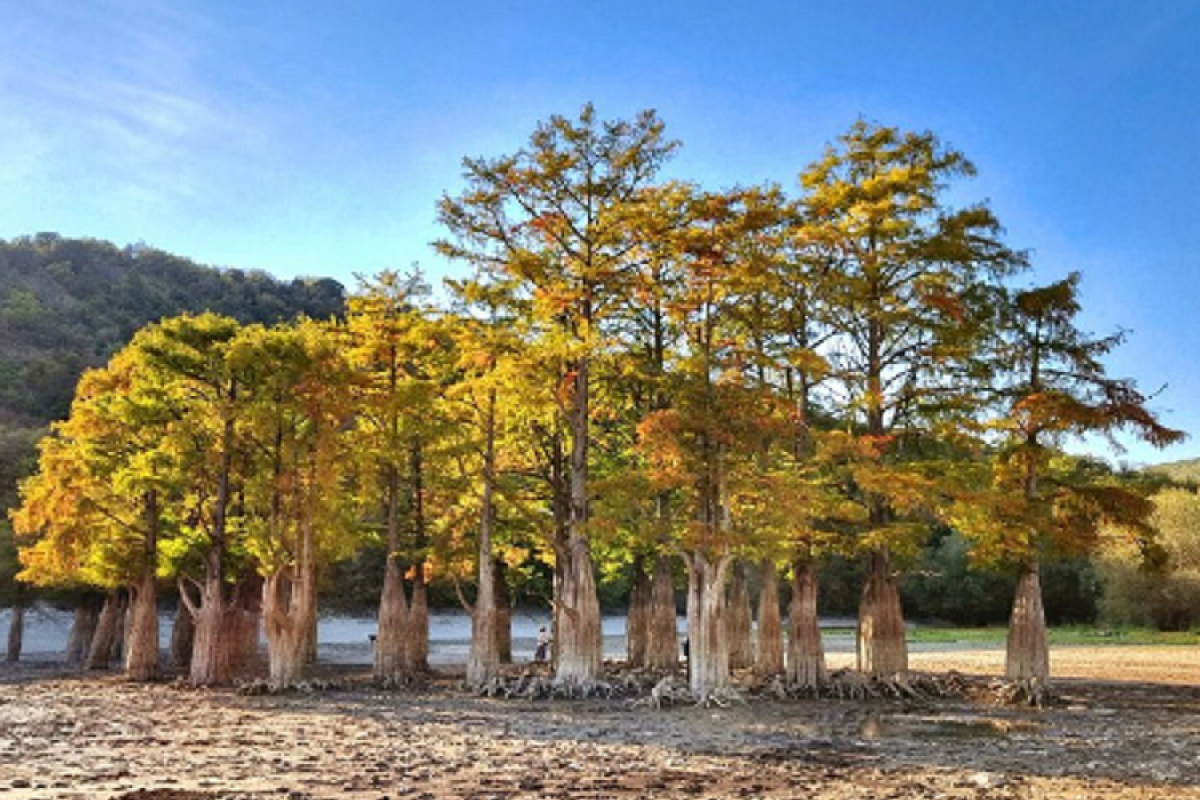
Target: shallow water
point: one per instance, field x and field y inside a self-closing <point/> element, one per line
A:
<point x="347" y="639"/>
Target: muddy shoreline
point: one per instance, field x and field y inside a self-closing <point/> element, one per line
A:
<point x="1130" y="732"/>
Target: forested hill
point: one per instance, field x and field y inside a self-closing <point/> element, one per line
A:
<point x="68" y="304"/>
<point x="1187" y="471"/>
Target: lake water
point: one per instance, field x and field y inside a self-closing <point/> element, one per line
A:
<point x="347" y="640"/>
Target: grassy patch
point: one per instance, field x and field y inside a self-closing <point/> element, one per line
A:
<point x="1120" y="636"/>
<point x="1076" y="634"/>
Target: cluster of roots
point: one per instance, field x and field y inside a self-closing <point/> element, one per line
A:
<point x="845" y="684"/>
<point x="262" y="686"/>
<point x="1030" y="692"/>
<point x="646" y="689"/>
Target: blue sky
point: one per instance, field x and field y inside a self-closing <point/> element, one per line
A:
<point x="314" y="138"/>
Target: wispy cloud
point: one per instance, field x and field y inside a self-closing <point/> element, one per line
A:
<point x="129" y="89"/>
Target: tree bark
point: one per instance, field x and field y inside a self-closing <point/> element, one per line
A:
<point x="637" y="627"/>
<point x="503" y="615"/>
<point x="1027" y="655"/>
<point x="806" y="654"/>
<point x="739" y="620"/>
<point x="392" y="627"/>
<point x="212" y="641"/>
<point x="246" y="619"/>
<point x="708" y="648"/>
<point x="16" y="627"/>
<point x="183" y="631"/>
<point x="484" y="662"/>
<point x="289" y="604"/>
<point x="882" y="646"/>
<point x="117" y="649"/>
<point x="142" y="654"/>
<point x="83" y="629"/>
<point x="769" y="656"/>
<point x="417" y="652"/>
<point x="392" y="634"/>
<point x="211" y="663"/>
<point x="579" y="640"/>
<point x="290" y="611"/>
<point x="106" y="630"/>
<point x="663" y="625"/>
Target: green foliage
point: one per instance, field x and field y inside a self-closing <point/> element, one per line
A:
<point x="1185" y="472"/>
<point x="943" y="586"/>
<point x="640" y="367"/>
<point x="67" y="305"/>
<point x="1157" y="585"/>
<point x="1050" y="384"/>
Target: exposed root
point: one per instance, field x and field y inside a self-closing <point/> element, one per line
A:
<point x="400" y="683"/>
<point x="262" y="686"/>
<point x="720" y="698"/>
<point x="667" y="692"/>
<point x="643" y="689"/>
<point x="1031" y="692"/>
<point x="846" y="684"/>
<point x="494" y="687"/>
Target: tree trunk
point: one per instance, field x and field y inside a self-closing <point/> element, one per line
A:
<point x="106" y="630"/>
<point x="503" y="615"/>
<point x="117" y="649"/>
<point x="662" y="653"/>
<point x="285" y="640"/>
<point x="882" y="647"/>
<point x="289" y="603"/>
<point x="579" y="642"/>
<point x="637" y="627"/>
<point x="769" y="657"/>
<point x="484" y="662"/>
<point x="214" y="636"/>
<point x="708" y="648"/>
<point x="392" y="634"/>
<point x="392" y="637"/>
<point x="417" y="652"/>
<point x="1027" y="655"/>
<point x="215" y="617"/>
<point x="83" y="629"/>
<point x="289" y="607"/>
<point x="142" y="654"/>
<point x="182" y="634"/>
<point x="312" y="636"/>
<point x="16" y="627"/>
<point x="246" y="619"/>
<point x="739" y="620"/>
<point x="806" y="655"/>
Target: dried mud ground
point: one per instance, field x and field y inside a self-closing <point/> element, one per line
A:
<point x="1128" y="727"/>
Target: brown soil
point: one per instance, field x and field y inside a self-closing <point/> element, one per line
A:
<point x="1129" y="727"/>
